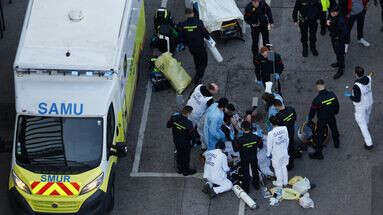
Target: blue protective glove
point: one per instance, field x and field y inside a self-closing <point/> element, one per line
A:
<point x="259" y="83"/>
<point x="180" y="47"/>
<point x="277" y="77"/>
<point x="347" y="94"/>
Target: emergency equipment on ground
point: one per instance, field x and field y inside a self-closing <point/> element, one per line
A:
<point x="241" y="194"/>
<point x="173" y="71"/>
<point x="221" y="17"/>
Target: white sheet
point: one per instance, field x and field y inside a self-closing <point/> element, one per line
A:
<point x="214" y="12"/>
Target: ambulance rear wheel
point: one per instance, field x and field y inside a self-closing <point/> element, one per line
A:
<point x="110" y="197"/>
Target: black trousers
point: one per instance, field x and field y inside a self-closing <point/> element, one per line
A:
<point x="308" y="27"/>
<point x="255" y="32"/>
<point x="381" y="5"/>
<point x="245" y="162"/>
<point x="321" y="126"/>
<point x="200" y="62"/>
<point x="359" y="18"/>
<point x="338" y="46"/>
<point x="291" y="148"/>
<point x="183" y="156"/>
<point x="323" y="19"/>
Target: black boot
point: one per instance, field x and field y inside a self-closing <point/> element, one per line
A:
<point x="336" y="144"/>
<point x="316" y="155"/>
<point x="335" y="65"/>
<point x="339" y="73"/>
<point x="323" y="30"/>
<point x="305" y="51"/>
<point x="368" y="147"/>
<point x="314" y="51"/>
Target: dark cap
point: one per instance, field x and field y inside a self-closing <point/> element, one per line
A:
<point x="334" y="8"/>
<point x="320" y="82"/>
<point x="220" y="145"/>
<point x="187" y="109"/>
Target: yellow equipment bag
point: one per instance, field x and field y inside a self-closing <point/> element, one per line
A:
<point x="173" y="71"/>
<point x="287" y="193"/>
<point x="294" y="180"/>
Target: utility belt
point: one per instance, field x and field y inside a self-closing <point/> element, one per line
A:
<point x="302" y="19"/>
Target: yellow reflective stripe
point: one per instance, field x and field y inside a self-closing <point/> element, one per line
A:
<point x="50" y="190"/>
<point x="288" y="118"/>
<point x="59" y="190"/>
<point x="190" y="27"/>
<point x="249" y="144"/>
<point x="328" y="101"/>
<point x="178" y="125"/>
<point x="228" y="25"/>
<point x="38" y="187"/>
<point x="71" y="188"/>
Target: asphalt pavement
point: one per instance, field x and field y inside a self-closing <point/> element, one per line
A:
<point x="349" y="180"/>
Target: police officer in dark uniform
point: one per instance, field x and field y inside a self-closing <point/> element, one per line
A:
<point x="325" y="106"/>
<point x="192" y="33"/>
<point x="338" y="34"/>
<point x="183" y="133"/>
<point x="247" y="146"/>
<point x="286" y="117"/>
<point x="306" y="14"/>
<point x="258" y="15"/>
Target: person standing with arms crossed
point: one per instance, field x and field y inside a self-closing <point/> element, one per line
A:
<point x="362" y="98"/>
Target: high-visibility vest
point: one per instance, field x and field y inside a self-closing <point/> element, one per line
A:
<point x="325" y="5"/>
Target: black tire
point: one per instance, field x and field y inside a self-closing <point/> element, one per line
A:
<point x="110" y="196"/>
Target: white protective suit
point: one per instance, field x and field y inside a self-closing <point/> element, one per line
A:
<point x="215" y="170"/>
<point x="199" y="104"/>
<point x="363" y="110"/>
<point x="277" y="147"/>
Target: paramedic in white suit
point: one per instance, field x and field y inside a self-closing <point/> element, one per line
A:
<point x="200" y="100"/>
<point x="362" y="99"/>
<point x="277" y="149"/>
<point x="215" y="171"/>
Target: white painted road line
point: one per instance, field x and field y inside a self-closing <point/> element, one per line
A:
<point x="141" y="132"/>
<point x="241" y="208"/>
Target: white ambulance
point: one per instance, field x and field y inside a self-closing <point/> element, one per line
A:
<point x="75" y="76"/>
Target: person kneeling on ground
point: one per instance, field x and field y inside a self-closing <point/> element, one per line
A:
<point x="277" y="145"/>
<point x="215" y="171"/>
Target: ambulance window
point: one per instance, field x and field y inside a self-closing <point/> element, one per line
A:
<point x="110" y="129"/>
<point x="125" y="66"/>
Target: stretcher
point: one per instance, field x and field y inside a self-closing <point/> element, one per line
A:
<point x="221" y="18"/>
